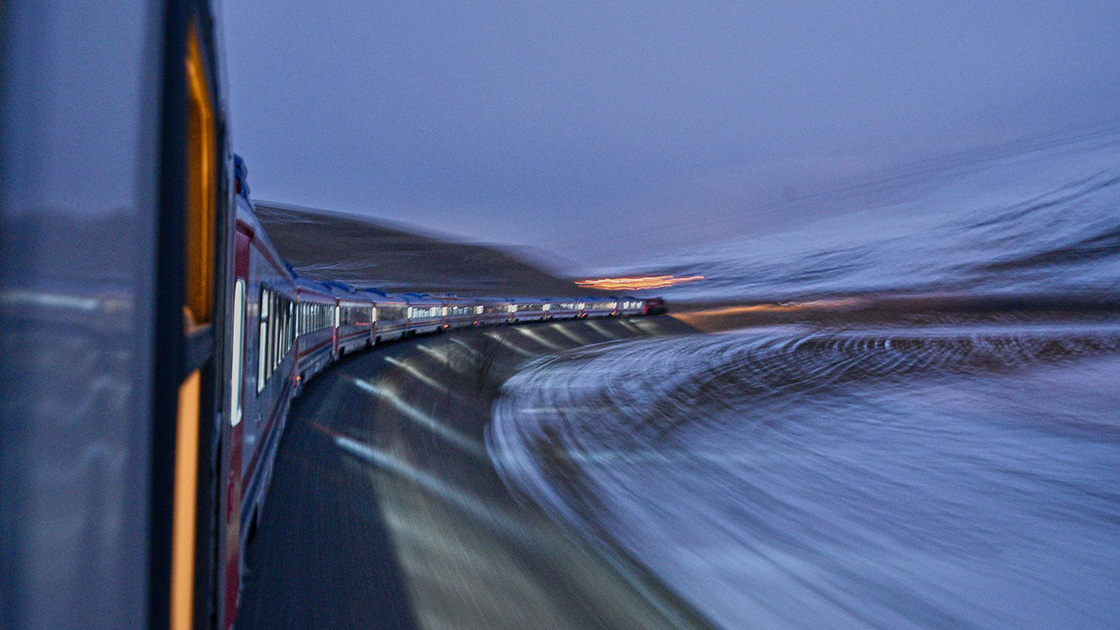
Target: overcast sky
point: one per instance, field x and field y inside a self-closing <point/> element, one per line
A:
<point x="602" y="129"/>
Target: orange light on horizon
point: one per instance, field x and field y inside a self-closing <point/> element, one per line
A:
<point x="636" y="283"/>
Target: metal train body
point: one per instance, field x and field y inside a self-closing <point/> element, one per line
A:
<point x="153" y="336"/>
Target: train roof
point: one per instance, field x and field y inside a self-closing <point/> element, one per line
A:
<point x="389" y="298"/>
<point x="307" y="284"/>
<point x="374" y="292"/>
<point x="420" y="298"/>
<point x="338" y="286"/>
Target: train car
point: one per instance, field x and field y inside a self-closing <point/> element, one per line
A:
<point x="654" y="306"/>
<point x="426" y="314"/>
<point x="121" y="405"/>
<point x="564" y="308"/>
<point x="354" y="318"/>
<point x="317" y="328"/>
<point x="528" y="309"/>
<point x="599" y="307"/>
<point x="461" y="311"/>
<point x="263" y="333"/>
<point x="630" y="306"/>
<point x="492" y="311"/>
<point x="390" y="316"/>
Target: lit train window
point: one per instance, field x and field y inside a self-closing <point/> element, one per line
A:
<point x="262" y="341"/>
<point x="271" y="334"/>
<point x="238" y="352"/>
<point x="199" y="292"/>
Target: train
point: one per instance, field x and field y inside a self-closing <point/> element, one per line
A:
<point x="287" y="328"/>
<point x="153" y="336"/>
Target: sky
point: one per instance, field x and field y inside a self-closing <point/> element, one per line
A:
<point x="602" y="131"/>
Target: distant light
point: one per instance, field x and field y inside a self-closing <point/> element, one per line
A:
<point x="636" y="283"/>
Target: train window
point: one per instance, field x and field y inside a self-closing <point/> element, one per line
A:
<point x="271" y="335"/>
<point x="262" y="340"/>
<point x="200" y="263"/>
<point x="274" y="326"/>
<point x="202" y="166"/>
<point x="238" y="352"/>
<point x="282" y="330"/>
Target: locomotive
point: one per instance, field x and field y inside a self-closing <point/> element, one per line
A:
<point x="153" y="338"/>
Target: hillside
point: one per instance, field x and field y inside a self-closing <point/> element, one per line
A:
<point x="325" y="245"/>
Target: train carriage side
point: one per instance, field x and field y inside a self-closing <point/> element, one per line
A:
<point x="528" y="310"/>
<point x="600" y="307"/>
<point x="654" y="306"/>
<point x="263" y="356"/>
<point x="425" y="314"/>
<point x="564" y="308"/>
<point x="629" y="306"/>
<point x="117" y="227"/>
<point x="390" y="315"/>
<point x="355" y="318"/>
<point x="460" y="311"/>
<point x="316" y="328"/>
<point x="493" y="311"/>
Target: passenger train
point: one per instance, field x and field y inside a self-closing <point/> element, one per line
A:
<point x="288" y="328"/>
<point x="153" y="336"/>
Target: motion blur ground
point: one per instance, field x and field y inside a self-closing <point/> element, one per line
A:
<point x="929" y="471"/>
<point x="386" y="511"/>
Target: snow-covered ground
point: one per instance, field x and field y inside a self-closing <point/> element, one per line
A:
<point x="1041" y="221"/>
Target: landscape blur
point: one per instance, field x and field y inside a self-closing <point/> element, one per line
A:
<point x="606" y="314"/>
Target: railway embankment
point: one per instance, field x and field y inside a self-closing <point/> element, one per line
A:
<point x="385" y="510"/>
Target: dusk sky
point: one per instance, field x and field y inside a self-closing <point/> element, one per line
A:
<point x="601" y="129"/>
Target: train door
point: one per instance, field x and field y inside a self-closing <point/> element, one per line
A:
<point x="201" y="243"/>
<point x="300" y="308"/>
<point x="337" y="323"/>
